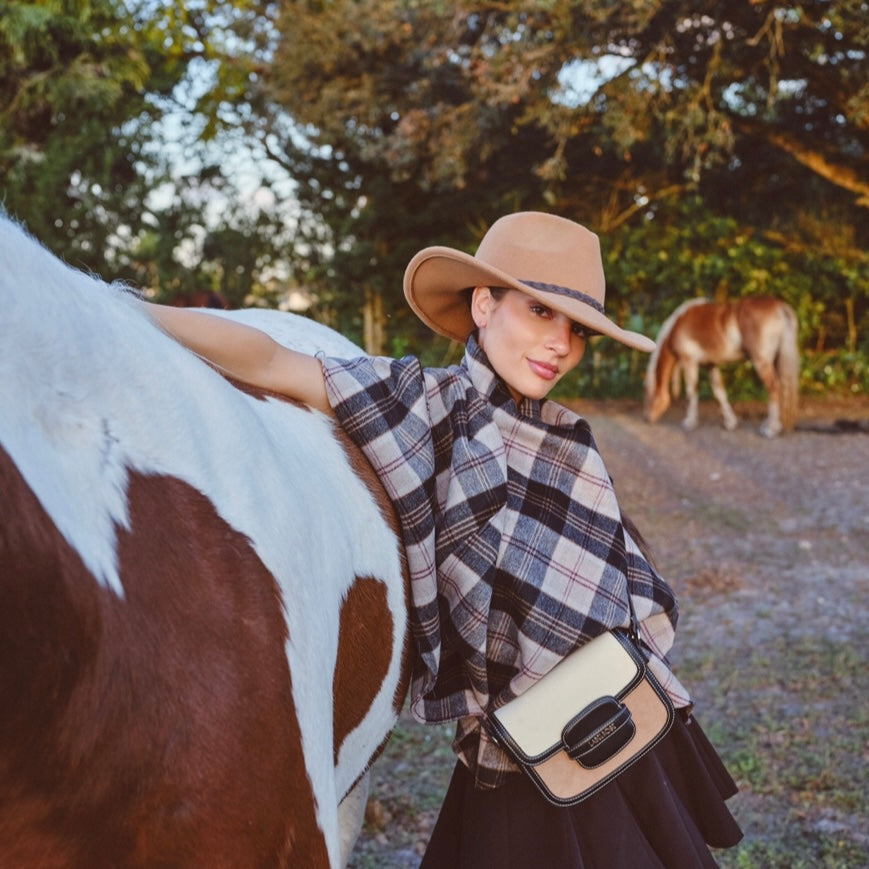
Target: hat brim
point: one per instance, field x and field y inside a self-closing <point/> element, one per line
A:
<point x="435" y="277"/>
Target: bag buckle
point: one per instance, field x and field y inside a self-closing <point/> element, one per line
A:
<point x="601" y="730"/>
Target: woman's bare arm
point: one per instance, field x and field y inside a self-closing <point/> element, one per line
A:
<point x="246" y="353"/>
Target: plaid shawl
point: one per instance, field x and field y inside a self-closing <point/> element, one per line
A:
<point x="515" y="545"/>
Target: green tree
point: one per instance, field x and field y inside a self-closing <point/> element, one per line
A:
<point x="113" y="115"/>
<point x="74" y="115"/>
<point x="420" y="122"/>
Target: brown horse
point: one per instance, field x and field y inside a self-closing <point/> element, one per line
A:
<point x="700" y="332"/>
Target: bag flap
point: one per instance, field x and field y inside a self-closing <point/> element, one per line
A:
<point x="532" y="723"/>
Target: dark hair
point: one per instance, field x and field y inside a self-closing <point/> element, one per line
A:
<point x="641" y="542"/>
<point x="498" y="293"/>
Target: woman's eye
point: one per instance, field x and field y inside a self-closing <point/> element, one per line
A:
<point x="579" y="330"/>
<point x="542" y="311"/>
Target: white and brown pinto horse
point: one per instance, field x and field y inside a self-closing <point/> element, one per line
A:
<point x="709" y="334"/>
<point x="203" y="611"/>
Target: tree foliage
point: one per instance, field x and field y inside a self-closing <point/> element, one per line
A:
<point x="110" y="116"/>
<point x="424" y="121"/>
<point x="645" y="94"/>
<point x="74" y="115"/>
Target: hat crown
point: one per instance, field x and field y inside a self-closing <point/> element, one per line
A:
<point x="547" y="249"/>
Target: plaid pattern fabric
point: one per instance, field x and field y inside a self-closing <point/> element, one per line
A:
<point x="514" y="539"/>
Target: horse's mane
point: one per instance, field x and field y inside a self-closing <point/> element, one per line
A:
<point x="663" y="334"/>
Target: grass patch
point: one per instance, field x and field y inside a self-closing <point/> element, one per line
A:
<point x="419" y="759"/>
<point x="794" y="851"/>
<point x="790" y="719"/>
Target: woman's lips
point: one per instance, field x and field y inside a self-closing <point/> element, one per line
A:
<point x="543" y="369"/>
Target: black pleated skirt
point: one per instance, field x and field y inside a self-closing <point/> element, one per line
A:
<point x="663" y="813"/>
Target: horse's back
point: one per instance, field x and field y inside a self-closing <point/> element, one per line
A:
<point x="706" y="333"/>
<point x="716" y="333"/>
<point x="761" y="316"/>
<point x="188" y="574"/>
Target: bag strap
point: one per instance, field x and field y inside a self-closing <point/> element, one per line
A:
<point x="634" y="627"/>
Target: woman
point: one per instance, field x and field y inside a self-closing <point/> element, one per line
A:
<point x="517" y="549"/>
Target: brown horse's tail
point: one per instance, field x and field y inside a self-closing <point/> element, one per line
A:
<point x="788" y="368"/>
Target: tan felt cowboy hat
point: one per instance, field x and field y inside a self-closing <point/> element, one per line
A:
<point x="550" y="258"/>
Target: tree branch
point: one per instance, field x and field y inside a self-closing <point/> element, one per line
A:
<point x="812" y="158"/>
<point x="611" y="220"/>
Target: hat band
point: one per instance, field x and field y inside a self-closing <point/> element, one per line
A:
<point x="566" y="291"/>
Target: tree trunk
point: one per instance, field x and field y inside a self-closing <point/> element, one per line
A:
<point x="373" y="324"/>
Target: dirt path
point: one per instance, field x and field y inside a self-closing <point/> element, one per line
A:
<point x="781" y="522"/>
<point x="766" y="542"/>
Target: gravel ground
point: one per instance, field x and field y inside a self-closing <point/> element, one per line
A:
<point x="766" y="543"/>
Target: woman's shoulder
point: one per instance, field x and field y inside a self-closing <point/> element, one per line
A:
<point x="389" y="382"/>
<point x="368" y="370"/>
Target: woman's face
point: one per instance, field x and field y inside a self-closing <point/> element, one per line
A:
<point x="530" y="346"/>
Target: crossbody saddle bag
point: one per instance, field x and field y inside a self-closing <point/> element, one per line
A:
<point x="591" y="717"/>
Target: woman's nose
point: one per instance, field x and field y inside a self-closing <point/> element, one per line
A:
<point x="559" y="335"/>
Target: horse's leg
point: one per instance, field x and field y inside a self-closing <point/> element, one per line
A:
<point x="691" y="373"/>
<point x="766" y="371"/>
<point x="676" y="382"/>
<point x="351" y="814"/>
<point x="717" y="381"/>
